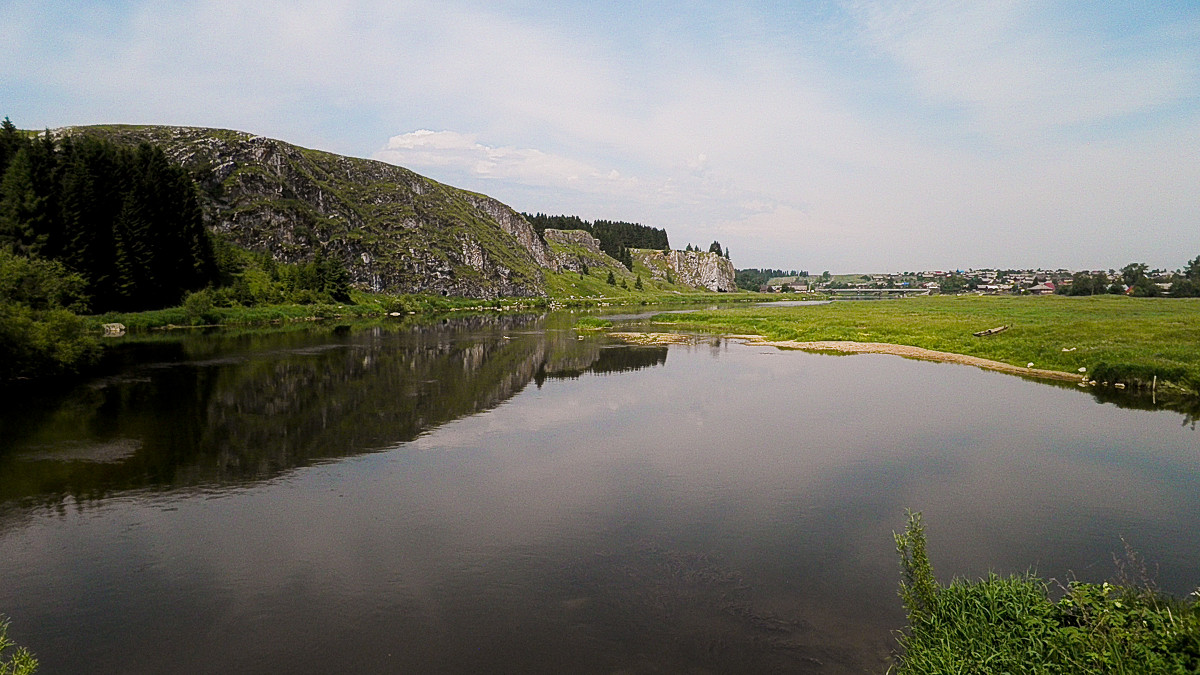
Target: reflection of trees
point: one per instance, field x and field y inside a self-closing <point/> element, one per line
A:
<point x="612" y="359"/>
<point x="250" y="407"/>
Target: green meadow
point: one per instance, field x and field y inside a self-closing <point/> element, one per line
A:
<point x="1135" y="341"/>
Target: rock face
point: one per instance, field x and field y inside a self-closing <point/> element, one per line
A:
<point x="396" y="231"/>
<point x="692" y="268"/>
<point x="576" y="249"/>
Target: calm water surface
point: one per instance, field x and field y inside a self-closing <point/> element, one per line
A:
<point x="502" y="496"/>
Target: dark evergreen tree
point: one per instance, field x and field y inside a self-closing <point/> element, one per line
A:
<point x="128" y="221"/>
<point x="21" y="206"/>
<point x="1192" y="271"/>
<point x="11" y="140"/>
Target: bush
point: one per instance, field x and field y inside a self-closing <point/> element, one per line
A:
<point x="41" y="284"/>
<point x="52" y="342"/>
<point x="198" y="307"/>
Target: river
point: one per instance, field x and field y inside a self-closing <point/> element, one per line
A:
<point x="504" y="495"/>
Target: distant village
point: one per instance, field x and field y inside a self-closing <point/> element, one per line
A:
<point x="1133" y="279"/>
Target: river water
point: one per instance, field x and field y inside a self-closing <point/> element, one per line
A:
<point x="504" y="495"/>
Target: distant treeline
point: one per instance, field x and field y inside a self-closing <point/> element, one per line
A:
<point x="753" y="279"/>
<point x="1135" y="280"/>
<point x="615" y="236"/>
<point x="124" y="219"/>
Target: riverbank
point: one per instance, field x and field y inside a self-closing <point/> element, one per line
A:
<point x="1146" y="343"/>
<point x="372" y="306"/>
<point x="850" y="347"/>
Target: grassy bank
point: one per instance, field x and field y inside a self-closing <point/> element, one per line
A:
<point x="362" y="306"/>
<point x="1117" y="339"/>
<point x="588" y="292"/>
<point x="1012" y="624"/>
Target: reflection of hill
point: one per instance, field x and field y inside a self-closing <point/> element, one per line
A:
<point x="236" y="408"/>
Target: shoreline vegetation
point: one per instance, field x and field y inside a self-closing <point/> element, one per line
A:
<point x="1015" y="625"/>
<point x="1144" y="344"/>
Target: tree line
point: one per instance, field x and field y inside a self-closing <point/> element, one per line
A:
<point x="126" y="220"/>
<point x="1135" y="279"/>
<point x="754" y="278"/>
<point x="616" y="237"/>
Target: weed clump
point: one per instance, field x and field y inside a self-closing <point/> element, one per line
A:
<point x="1011" y="625"/>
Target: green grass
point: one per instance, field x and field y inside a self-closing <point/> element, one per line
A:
<point x="592" y="323"/>
<point x="1129" y="340"/>
<point x="1012" y="625"/>
<point x="363" y="306"/>
<point x="14" y="660"/>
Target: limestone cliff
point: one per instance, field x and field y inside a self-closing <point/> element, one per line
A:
<point x="395" y="230"/>
<point x="692" y="268"/>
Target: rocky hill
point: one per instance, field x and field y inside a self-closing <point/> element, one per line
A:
<point x="395" y="230"/>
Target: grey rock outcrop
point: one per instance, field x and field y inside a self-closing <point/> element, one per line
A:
<point x="576" y="249"/>
<point x="699" y="269"/>
<point x="702" y="269"/>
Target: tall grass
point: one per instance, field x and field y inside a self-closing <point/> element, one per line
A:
<point x="1011" y="624"/>
<point x="14" y="660"/>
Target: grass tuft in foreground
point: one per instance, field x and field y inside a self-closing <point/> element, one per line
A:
<point x="1010" y="624"/>
<point x="14" y="660"/>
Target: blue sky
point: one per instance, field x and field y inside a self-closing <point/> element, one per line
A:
<point x="849" y="136"/>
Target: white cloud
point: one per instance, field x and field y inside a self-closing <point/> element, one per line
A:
<point x="1018" y="69"/>
<point x="895" y="135"/>
<point x="431" y="149"/>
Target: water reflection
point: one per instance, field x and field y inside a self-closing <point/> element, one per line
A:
<point x="715" y="508"/>
<point x="223" y="408"/>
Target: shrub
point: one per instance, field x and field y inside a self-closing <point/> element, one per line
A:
<point x="51" y="342"/>
<point x="40" y="284"/>
<point x="198" y="307"/>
